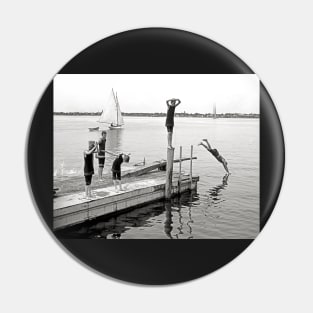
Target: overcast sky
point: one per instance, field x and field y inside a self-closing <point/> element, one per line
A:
<point x="148" y="93"/>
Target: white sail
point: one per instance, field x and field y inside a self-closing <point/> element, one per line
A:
<point x="112" y="113"/>
<point x="120" y="120"/>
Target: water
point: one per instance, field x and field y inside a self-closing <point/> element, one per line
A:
<point x="224" y="208"/>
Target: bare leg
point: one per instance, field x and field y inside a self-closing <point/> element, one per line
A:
<point x="100" y="170"/>
<point x="209" y="146"/>
<point x="86" y="191"/>
<point x="169" y="140"/>
<point x="114" y="182"/>
<point x="90" y="192"/>
<point x="121" y="185"/>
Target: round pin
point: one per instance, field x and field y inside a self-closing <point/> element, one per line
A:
<point x="155" y="136"/>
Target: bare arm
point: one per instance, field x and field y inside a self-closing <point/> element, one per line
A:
<point x="91" y="150"/>
<point x="109" y="152"/>
<point x="202" y="144"/>
<point x="178" y="102"/>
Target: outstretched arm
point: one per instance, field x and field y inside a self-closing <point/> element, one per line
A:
<point x="202" y="144"/>
<point x="109" y="152"/>
<point x="91" y="150"/>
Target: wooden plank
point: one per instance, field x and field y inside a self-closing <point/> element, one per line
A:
<point x="148" y="168"/>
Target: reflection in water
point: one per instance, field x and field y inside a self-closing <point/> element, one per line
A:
<point x="168" y="219"/>
<point x="215" y="191"/>
<point x="215" y="200"/>
<point x="180" y="209"/>
<point x="173" y="218"/>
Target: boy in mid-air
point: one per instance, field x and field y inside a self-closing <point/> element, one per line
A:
<point x="88" y="167"/>
<point x="116" y="167"/>
<point x="171" y="106"/>
<point x="215" y="153"/>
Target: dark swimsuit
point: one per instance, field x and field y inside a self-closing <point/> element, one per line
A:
<point x="101" y="152"/>
<point x="170" y="118"/>
<point x="88" y="168"/>
<point x="116" y="167"/>
<point x="216" y="154"/>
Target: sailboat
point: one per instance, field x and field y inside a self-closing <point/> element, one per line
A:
<point x="112" y="114"/>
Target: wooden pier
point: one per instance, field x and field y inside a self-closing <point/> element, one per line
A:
<point x="75" y="208"/>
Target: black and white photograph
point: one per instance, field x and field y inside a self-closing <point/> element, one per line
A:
<point x="156" y="156"/>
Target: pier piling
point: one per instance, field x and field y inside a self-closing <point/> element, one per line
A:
<point x="191" y="153"/>
<point x="180" y="161"/>
<point x="169" y="173"/>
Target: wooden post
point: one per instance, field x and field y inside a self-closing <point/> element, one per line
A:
<point x="179" y="178"/>
<point x="169" y="173"/>
<point x="191" y="152"/>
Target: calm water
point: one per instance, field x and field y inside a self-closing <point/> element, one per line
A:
<point x="221" y="207"/>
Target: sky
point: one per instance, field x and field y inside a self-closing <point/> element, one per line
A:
<point x="141" y="93"/>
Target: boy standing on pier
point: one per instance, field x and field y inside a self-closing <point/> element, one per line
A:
<point x="101" y="153"/>
<point x="171" y="106"/>
<point x="88" y="167"/>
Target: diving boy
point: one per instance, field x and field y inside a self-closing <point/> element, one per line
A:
<point x="215" y="153"/>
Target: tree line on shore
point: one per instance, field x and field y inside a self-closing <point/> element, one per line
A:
<point x="184" y="114"/>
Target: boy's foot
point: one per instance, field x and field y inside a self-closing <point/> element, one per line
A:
<point x="200" y="143"/>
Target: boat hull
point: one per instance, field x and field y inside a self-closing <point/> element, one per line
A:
<point x="93" y="129"/>
<point x="116" y="127"/>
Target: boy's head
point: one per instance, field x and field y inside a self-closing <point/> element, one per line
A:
<point x="126" y="158"/>
<point x="172" y="102"/>
<point x="91" y="144"/>
<point x="104" y="134"/>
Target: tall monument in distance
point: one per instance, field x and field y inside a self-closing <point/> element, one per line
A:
<point x="214" y="110"/>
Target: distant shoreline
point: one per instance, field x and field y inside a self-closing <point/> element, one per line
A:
<point x="201" y="115"/>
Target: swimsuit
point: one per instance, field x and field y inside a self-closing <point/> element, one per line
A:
<point x="116" y="167"/>
<point x="88" y="168"/>
<point x="216" y="154"/>
<point x="170" y="118"/>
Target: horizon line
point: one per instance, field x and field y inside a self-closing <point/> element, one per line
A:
<point x="99" y="112"/>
